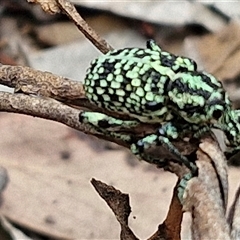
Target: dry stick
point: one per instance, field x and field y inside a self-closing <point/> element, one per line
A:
<point x="205" y="195"/>
<point x="53" y="6"/>
<point x="31" y="81"/>
<point x="89" y="33"/>
<point x="50" y="109"/>
<point x="233" y="217"/>
<point x="49" y="6"/>
<point x="41" y="107"/>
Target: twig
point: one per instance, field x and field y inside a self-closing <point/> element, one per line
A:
<point x="54" y="6"/>
<point x="205" y="196"/>
<point x="30" y="81"/>
<point x="50" y="109"/>
<point x="89" y="33"/>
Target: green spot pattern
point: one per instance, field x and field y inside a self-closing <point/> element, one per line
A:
<point x="137" y="78"/>
<point x="155" y="86"/>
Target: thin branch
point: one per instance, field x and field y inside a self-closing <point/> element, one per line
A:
<point x="50" y="109"/>
<point x="55" y="6"/>
<point x="89" y="33"/>
<point x="233" y="217"/>
<point x="204" y="197"/>
<point x="30" y="81"/>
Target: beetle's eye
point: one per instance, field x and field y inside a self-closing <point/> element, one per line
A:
<point x="217" y="114"/>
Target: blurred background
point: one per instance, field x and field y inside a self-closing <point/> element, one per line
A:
<point x="46" y="166"/>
